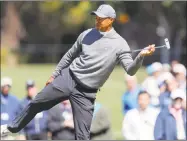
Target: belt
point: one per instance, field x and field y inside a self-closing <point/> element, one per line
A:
<point x="80" y="84"/>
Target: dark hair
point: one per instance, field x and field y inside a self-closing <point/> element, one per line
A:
<point x="141" y="92"/>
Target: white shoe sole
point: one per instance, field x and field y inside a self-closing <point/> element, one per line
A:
<point x="4" y="131"/>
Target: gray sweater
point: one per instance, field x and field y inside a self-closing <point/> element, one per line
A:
<point x="94" y="55"/>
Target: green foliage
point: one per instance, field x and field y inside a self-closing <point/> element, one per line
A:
<point x="46" y="22"/>
<point x="76" y="15"/>
<point x="167" y="3"/>
<point x="50" y="6"/>
<point x="4" y="54"/>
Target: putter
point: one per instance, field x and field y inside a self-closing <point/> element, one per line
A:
<point x="167" y="45"/>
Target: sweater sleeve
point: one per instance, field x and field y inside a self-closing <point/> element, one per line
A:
<point x="67" y="59"/>
<point x="131" y="66"/>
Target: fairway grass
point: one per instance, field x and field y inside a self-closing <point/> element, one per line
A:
<point x="109" y="95"/>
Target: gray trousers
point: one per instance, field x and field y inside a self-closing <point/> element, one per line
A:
<point x="64" y="87"/>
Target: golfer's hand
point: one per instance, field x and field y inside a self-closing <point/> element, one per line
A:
<point x="148" y="50"/>
<point x="50" y="80"/>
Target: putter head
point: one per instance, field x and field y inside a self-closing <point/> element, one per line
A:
<point x="167" y="43"/>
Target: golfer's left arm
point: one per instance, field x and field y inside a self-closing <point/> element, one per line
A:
<point x="131" y="66"/>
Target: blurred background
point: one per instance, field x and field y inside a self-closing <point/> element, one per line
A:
<point x="35" y="35"/>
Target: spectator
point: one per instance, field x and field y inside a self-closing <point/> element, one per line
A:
<point x="171" y="122"/>
<point x="60" y="122"/>
<point x="149" y="70"/>
<point x="150" y="84"/>
<point x="101" y="125"/>
<point x="173" y="63"/>
<point x="184" y="103"/>
<point x="157" y="69"/>
<point x="9" y="103"/>
<point x="165" y="76"/>
<point x="166" y="68"/>
<point x="165" y="97"/>
<point x="179" y="71"/>
<point x="130" y="96"/>
<point x="138" y="123"/>
<point x="37" y="128"/>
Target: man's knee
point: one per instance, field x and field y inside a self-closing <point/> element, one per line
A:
<point x="39" y="106"/>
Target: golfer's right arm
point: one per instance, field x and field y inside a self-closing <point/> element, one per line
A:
<point x="68" y="57"/>
<point x="131" y="66"/>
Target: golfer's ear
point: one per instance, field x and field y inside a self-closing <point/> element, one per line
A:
<point x="112" y="20"/>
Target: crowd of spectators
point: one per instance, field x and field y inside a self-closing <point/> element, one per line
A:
<point x="156" y="108"/>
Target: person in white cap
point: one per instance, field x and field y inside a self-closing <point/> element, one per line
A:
<point x="9" y="103"/>
<point x="157" y="69"/>
<point x="180" y="74"/>
<point x="151" y="83"/>
<point x="82" y="71"/>
<point x="6" y="81"/>
<point x="171" y="122"/>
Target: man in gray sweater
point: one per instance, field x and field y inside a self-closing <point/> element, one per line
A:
<point x="81" y="72"/>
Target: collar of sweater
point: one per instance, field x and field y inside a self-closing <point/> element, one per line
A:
<point x="109" y="34"/>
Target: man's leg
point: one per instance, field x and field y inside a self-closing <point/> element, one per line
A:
<point x="46" y="99"/>
<point x="82" y="108"/>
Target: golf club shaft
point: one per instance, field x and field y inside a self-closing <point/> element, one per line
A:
<point x="138" y="50"/>
<point x="160" y="46"/>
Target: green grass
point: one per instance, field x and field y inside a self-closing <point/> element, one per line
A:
<point x="109" y="96"/>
